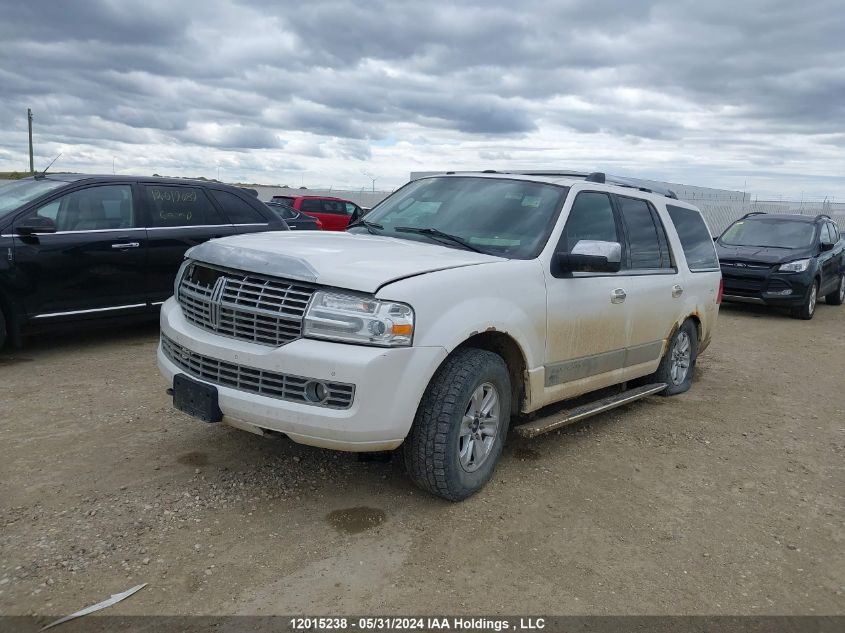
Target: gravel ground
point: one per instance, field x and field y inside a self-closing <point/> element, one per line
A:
<point x="725" y="500"/>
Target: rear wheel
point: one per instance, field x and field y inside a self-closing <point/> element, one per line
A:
<point x="460" y="426"/>
<point x="807" y="309"/>
<point x="837" y="297"/>
<point x="677" y="366"/>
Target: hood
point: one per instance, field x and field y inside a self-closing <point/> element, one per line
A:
<point x="345" y="260"/>
<point x="760" y="254"/>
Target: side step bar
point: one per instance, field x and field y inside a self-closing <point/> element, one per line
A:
<point x="569" y="416"/>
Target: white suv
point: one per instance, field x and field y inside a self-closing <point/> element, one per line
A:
<point x="458" y="302"/>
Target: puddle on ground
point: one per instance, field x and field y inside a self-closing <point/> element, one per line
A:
<point x="355" y="520"/>
<point x="193" y="459"/>
<point x="13" y="360"/>
<point x="529" y="454"/>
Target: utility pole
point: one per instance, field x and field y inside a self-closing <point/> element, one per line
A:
<point x="29" y="121"/>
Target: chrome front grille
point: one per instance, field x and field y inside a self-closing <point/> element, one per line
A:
<point x="243" y="305"/>
<point x="265" y="383"/>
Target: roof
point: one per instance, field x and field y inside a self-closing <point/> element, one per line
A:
<point x="126" y="178"/>
<point x="792" y="217"/>
<point x="297" y="195"/>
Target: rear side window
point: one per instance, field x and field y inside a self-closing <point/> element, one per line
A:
<point x="591" y="218"/>
<point x="334" y="207"/>
<point x="311" y="205"/>
<point x="647" y="243"/>
<point x="695" y="238"/>
<point x="180" y="206"/>
<point x="238" y="211"/>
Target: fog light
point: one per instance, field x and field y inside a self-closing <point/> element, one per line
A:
<point x="783" y="293"/>
<point x="316" y="392"/>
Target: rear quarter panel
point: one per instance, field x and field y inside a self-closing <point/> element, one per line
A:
<point x="701" y="287"/>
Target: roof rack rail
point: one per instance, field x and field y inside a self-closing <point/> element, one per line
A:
<point x="596" y="176"/>
<point x="750" y="213"/>
<point x="635" y="183"/>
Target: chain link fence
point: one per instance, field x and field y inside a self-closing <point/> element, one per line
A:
<point x="720" y="214"/>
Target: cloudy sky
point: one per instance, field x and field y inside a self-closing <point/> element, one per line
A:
<point x="720" y="93"/>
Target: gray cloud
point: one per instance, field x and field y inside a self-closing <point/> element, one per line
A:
<point x="315" y="85"/>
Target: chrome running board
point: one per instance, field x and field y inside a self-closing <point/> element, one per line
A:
<point x="569" y="416"/>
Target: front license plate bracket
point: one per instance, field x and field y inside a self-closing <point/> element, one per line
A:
<point x="196" y="398"/>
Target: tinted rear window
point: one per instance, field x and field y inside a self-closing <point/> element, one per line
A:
<point x="238" y="211"/>
<point x="311" y="205"/>
<point x="173" y="206"/>
<point x="695" y="238"/>
<point x="647" y="244"/>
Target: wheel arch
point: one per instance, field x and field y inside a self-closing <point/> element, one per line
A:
<point x="696" y="321"/>
<point x="511" y="352"/>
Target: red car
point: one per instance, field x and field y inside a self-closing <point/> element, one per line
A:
<point x="334" y="213"/>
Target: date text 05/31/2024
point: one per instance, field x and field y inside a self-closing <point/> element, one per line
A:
<point x="413" y="623"/>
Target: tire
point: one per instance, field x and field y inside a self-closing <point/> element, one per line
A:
<point x="683" y="348"/>
<point x="807" y="309"/>
<point x="447" y="451"/>
<point x="837" y="297"/>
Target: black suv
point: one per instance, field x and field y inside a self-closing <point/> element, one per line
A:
<point x="78" y="247"/>
<point x="783" y="260"/>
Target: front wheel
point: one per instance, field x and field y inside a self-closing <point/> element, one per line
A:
<point x="677" y="366"/>
<point x="807" y="309"/>
<point x="460" y="426"/>
<point x="837" y="297"/>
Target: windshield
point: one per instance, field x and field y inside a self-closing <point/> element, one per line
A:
<point x="769" y="233"/>
<point x="17" y="193"/>
<point x="508" y="218"/>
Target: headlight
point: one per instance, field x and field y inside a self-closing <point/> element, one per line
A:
<point x="798" y="266"/>
<point x="358" y="319"/>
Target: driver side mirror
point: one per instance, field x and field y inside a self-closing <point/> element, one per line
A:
<point x="827" y="246"/>
<point x="589" y="256"/>
<point x="35" y="224"/>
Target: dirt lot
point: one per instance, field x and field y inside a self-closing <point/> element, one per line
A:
<point x="726" y="500"/>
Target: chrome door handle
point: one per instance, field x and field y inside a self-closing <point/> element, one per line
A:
<point x="617" y="295"/>
<point x="677" y="290"/>
<point x="126" y="245"/>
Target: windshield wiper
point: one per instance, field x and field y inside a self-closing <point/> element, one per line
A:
<point x="437" y="233"/>
<point x="370" y="226"/>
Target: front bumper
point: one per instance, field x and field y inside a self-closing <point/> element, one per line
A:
<point x="765" y="285"/>
<point x="389" y="384"/>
